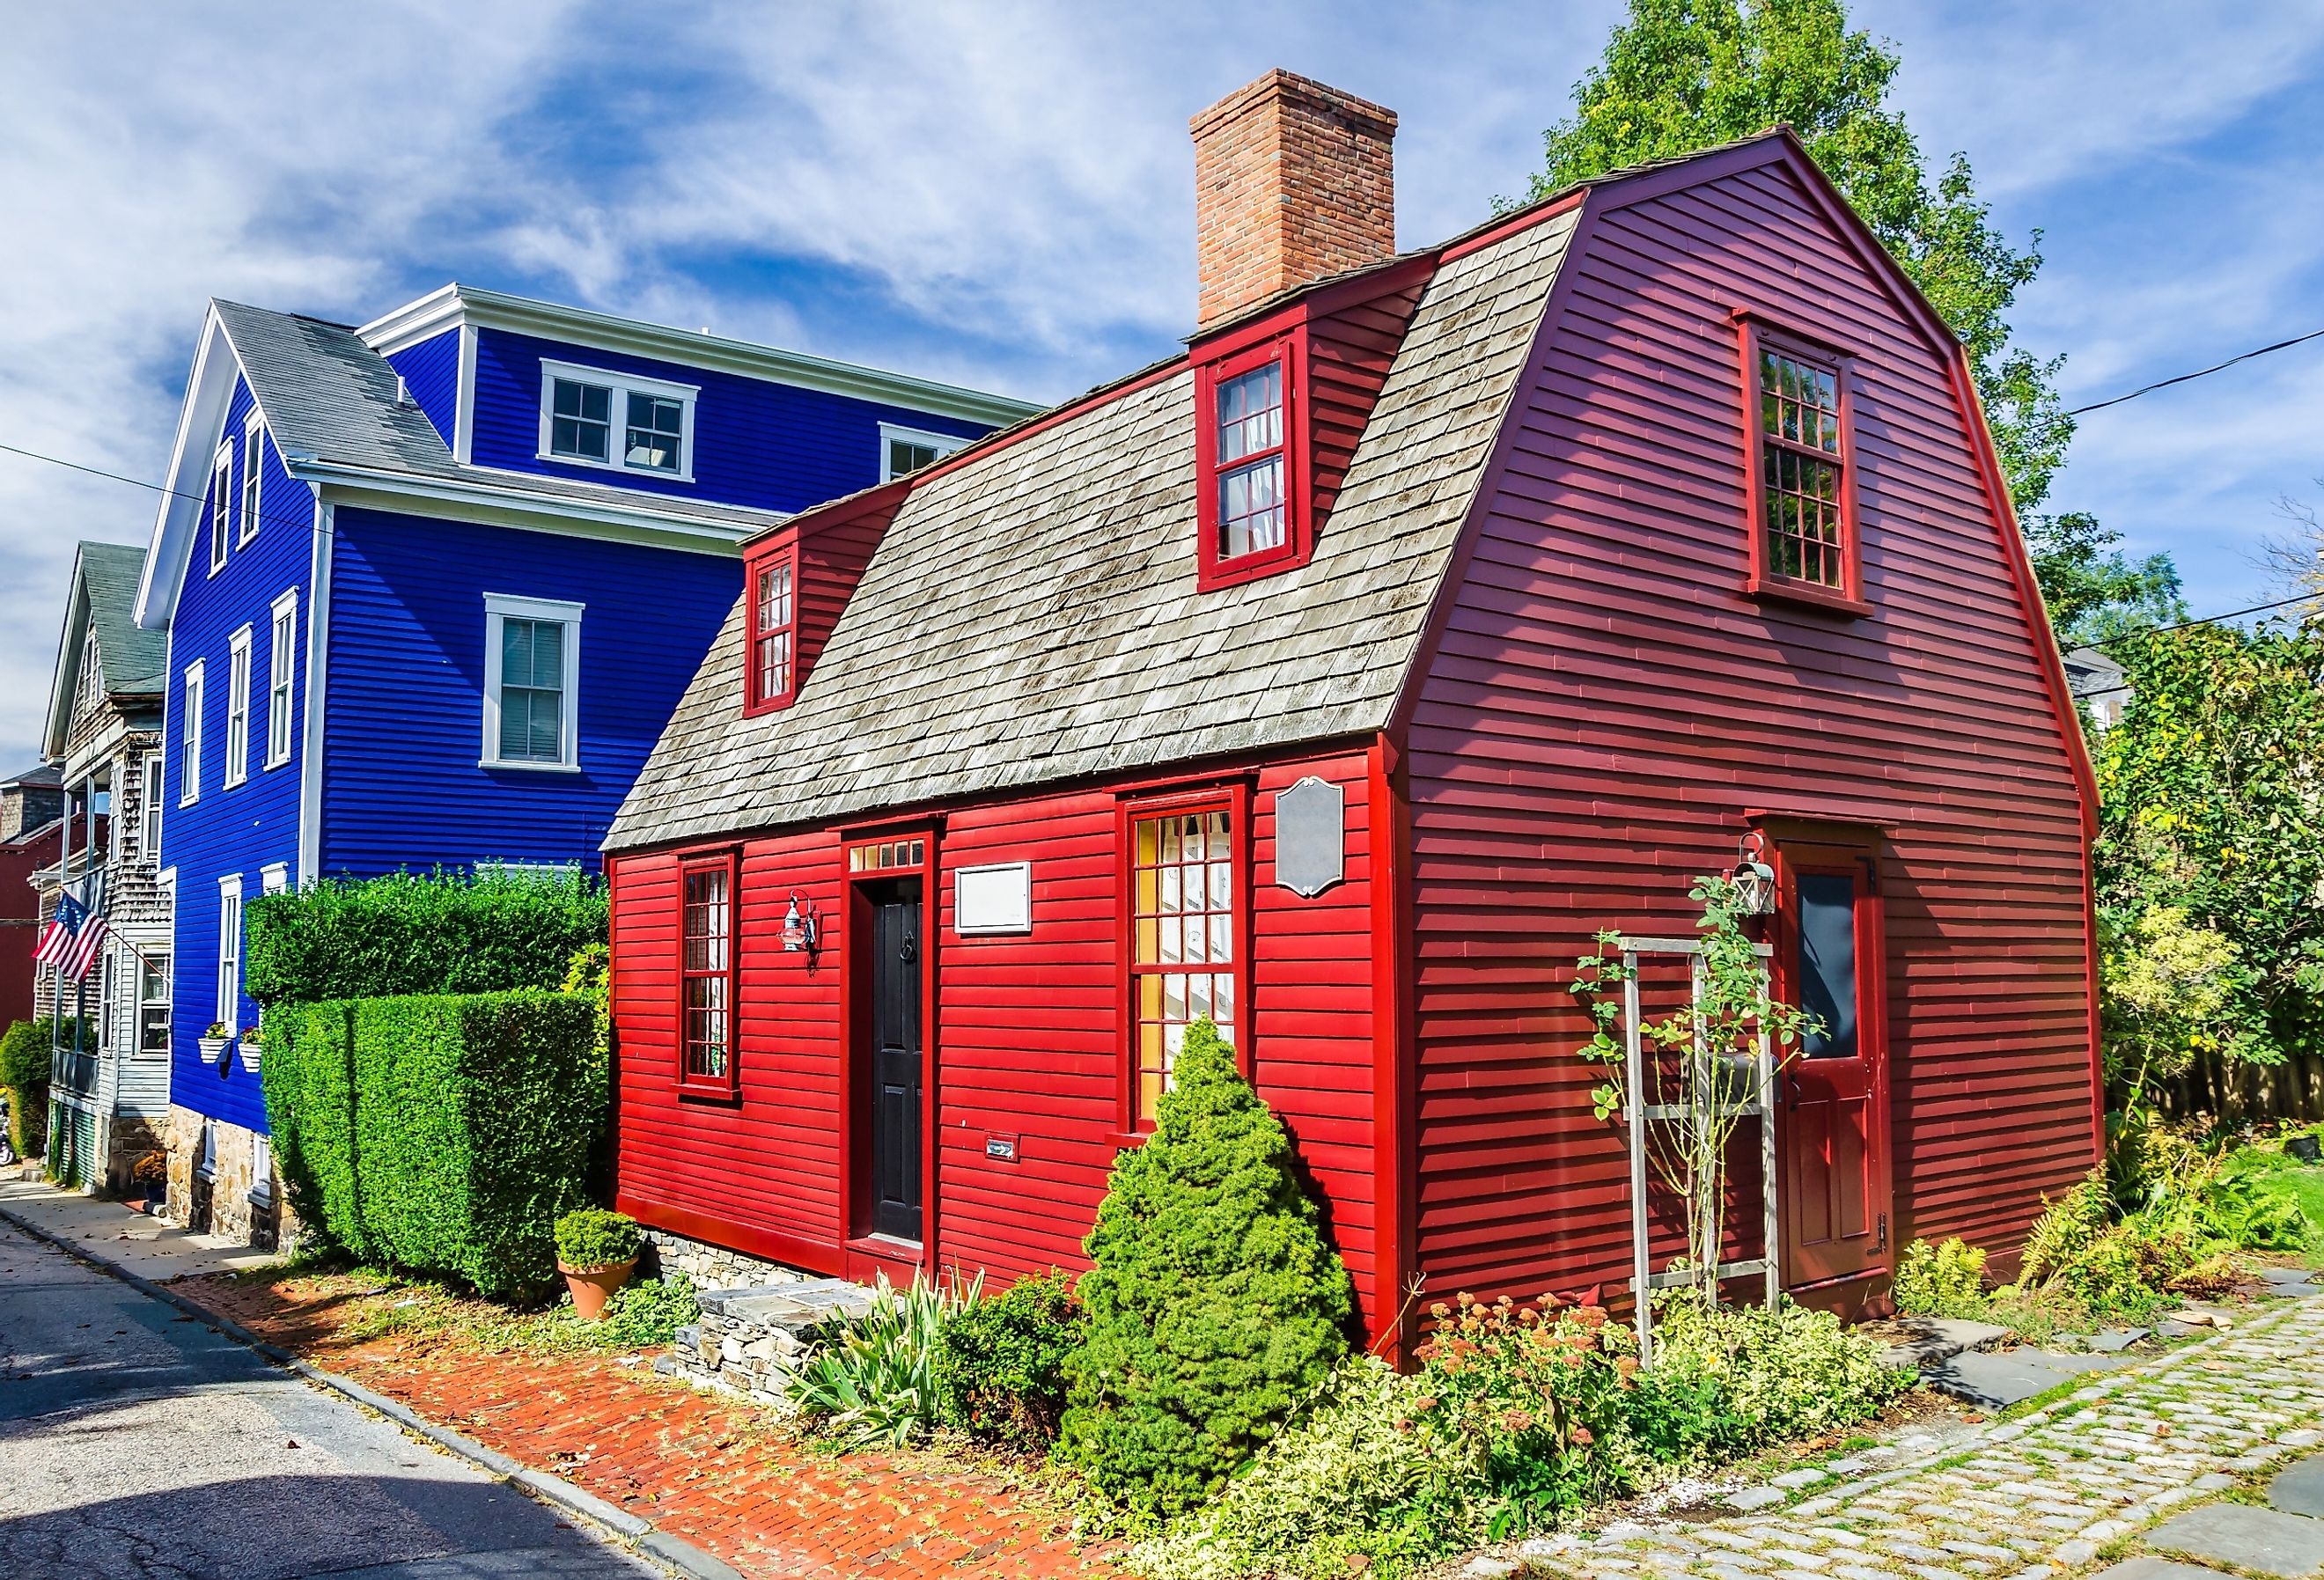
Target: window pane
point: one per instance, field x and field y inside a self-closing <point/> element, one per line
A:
<point x="1251" y="508"/>
<point x="1250" y="413"/>
<point x="1827" y="963"/>
<point x="580" y="420"/>
<point x="656" y="427"/>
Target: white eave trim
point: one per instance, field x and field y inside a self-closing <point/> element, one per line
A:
<point x="493" y="504"/>
<point x="464" y="306"/>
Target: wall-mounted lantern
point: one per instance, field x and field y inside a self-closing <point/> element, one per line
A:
<point x="1754" y="879"/>
<point x="800" y="935"/>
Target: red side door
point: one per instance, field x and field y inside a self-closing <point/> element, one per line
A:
<point x="1832" y="1129"/>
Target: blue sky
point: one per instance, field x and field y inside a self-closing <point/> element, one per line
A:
<point x="1002" y="195"/>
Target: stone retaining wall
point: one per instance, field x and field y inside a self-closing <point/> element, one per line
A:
<point x="744" y="1337"/>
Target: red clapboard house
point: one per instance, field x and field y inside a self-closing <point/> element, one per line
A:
<point x="1338" y="679"/>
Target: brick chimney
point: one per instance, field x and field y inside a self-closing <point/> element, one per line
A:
<point x="1293" y="181"/>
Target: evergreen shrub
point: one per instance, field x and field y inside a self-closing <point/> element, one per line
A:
<point x="25" y="1052"/>
<point x="1214" y="1304"/>
<point x="591" y="1237"/>
<point x="444" y="1134"/>
<point x="406" y="934"/>
<point x="1000" y="1367"/>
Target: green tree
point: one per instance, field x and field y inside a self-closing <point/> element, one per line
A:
<point x="1679" y="75"/>
<point x="1214" y="1303"/>
<point x="2096" y="592"/>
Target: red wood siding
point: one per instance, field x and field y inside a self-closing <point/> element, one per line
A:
<point x="1028" y="1039"/>
<point x="1605" y="704"/>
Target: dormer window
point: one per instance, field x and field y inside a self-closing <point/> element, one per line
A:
<point x="774" y="630"/>
<point x="1253" y="469"/>
<point x="1802" y="503"/>
<point x="905" y="450"/>
<point x="621" y="422"/>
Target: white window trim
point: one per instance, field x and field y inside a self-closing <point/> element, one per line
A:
<point x="254" y="478"/>
<point x="623" y="385"/>
<point x="160" y="956"/>
<point x="222" y="503"/>
<point x="500" y="606"/>
<point x="237" y="707"/>
<point x="274" y="878"/>
<point x="282" y="656"/>
<point x="943" y="443"/>
<point x="152" y="782"/>
<point x="193" y="698"/>
<point x="229" y="966"/>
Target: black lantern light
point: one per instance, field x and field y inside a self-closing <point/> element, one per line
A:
<point x="1754" y="879"/>
<point x="799" y="935"/>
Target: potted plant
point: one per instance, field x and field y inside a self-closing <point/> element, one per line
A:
<point x="250" y="1048"/>
<point x="153" y="1172"/>
<point x="214" y="1041"/>
<point x="596" y="1251"/>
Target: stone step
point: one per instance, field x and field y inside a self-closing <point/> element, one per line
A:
<point x="1923" y="1341"/>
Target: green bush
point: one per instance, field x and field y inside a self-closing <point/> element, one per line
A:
<point x="871" y="1382"/>
<point x="590" y="1237"/>
<point x="24" y="1053"/>
<point x="1000" y="1365"/>
<point x="1940" y="1280"/>
<point x="404" y="934"/>
<point x="1214" y="1304"/>
<point x="441" y="1134"/>
<point x="1737" y="1378"/>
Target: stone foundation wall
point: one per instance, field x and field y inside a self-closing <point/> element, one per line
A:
<point x="743" y="1338"/>
<point x="710" y="1267"/>
<point x="127" y="1141"/>
<point x="220" y="1204"/>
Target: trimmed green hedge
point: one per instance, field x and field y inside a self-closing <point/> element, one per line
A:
<point x="445" y="1133"/>
<point x="405" y="933"/>
<point x="25" y="1052"/>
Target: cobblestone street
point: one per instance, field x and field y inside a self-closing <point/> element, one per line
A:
<point x="2045" y="1494"/>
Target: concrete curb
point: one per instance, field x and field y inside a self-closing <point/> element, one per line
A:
<point x="638" y="1534"/>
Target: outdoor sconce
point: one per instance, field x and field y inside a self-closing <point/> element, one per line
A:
<point x="799" y="932"/>
<point x="1754" y="879"/>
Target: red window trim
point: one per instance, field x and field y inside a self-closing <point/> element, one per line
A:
<point x="1132" y="807"/>
<point x="1755" y="332"/>
<point x="784" y="553"/>
<point x="729" y="1085"/>
<point x="1215" y="570"/>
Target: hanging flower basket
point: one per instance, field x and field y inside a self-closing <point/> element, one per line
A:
<point x="214" y="1044"/>
<point x="250" y="1049"/>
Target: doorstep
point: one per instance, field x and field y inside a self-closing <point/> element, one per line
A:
<point x="744" y="1339"/>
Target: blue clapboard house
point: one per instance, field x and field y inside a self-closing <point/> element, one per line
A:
<point x="432" y="588"/>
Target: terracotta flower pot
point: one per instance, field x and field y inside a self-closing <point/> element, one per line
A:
<point x="592" y="1287"/>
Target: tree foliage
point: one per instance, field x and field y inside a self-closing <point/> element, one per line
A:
<point x="1213" y="1302"/>
<point x="2210" y="850"/>
<point x="2096" y="592"/>
<point x="1681" y="75"/>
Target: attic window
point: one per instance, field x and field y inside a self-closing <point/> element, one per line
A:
<point x="1253" y="463"/>
<point x="905" y="450"/>
<point x="616" y="421"/>
<point x="774" y="630"/>
<point x="1802" y="503"/>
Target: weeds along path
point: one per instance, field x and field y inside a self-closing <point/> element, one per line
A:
<point x="2048" y="1492"/>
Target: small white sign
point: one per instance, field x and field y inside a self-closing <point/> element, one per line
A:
<point x="994" y="900"/>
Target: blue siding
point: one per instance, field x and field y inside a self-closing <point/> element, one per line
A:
<point x="245" y="828"/>
<point x="770" y="446"/>
<point x="403" y="727"/>
<point x="431" y="371"/>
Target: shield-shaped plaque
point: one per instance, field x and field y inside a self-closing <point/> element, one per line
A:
<point x="1310" y="836"/>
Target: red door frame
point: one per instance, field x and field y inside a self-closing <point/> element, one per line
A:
<point x="1856" y="854"/>
<point x="863" y="1253"/>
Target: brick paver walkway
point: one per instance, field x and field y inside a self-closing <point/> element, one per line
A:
<point x="699" y="1467"/>
<point x="2038" y="1496"/>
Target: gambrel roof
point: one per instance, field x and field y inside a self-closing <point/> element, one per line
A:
<point x="1031" y="614"/>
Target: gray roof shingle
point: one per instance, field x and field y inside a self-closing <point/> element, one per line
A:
<point x="131" y="657"/>
<point x="1032" y="616"/>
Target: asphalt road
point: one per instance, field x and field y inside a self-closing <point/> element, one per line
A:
<point x="134" y="1441"/>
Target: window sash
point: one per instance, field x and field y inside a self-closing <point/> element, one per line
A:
<point x="151" y="786"/>
<point x="189" y="787"/>
<point x="229" y="960"/>
<point x="581" y="420"/>
<point x="1185" y="945"/>
<point x="1250" y="409"/>
<point x="532" y="689"/>
<point x="1801" y="512"/>
<point x="774" y="643"/>
<point x="657" y="430"/>
<point x="253" y="450"/>
<point x="707" y="976"/>
<point x="237" y="711"/>
<point x="278" y="690"/>
<point x="153" y="1002"/>
<point x="221" y="508"/>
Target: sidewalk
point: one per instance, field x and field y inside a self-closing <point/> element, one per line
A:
<point x="151" y="1248"/>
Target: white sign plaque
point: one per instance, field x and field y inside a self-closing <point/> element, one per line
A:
<point x="994" y="900"/>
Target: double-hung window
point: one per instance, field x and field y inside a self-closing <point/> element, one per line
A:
<point x="229" y="953"/>
<point x="154" y="1003"/>
<point x="774" y="630"/>
<point x="254" y="457"/>
<point x="282" y="654"/>
<point x="90" y="684"/>
<point x="237" y="707"/>
<point x="1185" y="951"/>
<point x="533" y="677"/>
<point x="221" y="505"/>
<point x="189" y="736"/>
<point x="149" y="786"/>
<point x="1251" y="459"/>
<point x="706" y="973"/>
<point x="904" y="450"/>
<point x="1802" y="507"/>
<point x="622" y="422"/>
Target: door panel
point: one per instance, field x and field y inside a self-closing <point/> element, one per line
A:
<point x="1833" y="1127"/>
<point x="895" y="1063"/>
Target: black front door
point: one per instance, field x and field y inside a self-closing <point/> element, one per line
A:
<point x="895" y="1027"/>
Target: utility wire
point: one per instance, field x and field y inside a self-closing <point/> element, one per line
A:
<point x="305" y="518"/>
<point x="2145" y="631"/>
<point x="2199" y="373"/>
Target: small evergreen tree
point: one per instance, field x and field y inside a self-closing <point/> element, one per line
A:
<point x="1214" y="1303"/>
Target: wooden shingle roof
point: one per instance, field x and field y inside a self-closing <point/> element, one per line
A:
<point x="1032" y="616"/>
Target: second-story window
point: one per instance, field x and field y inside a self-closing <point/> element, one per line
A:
<point x="254" y="455"/>
<point x="904" y="450"/>
<point x="774" y="631"/>
<point x="229" y="955"/>
<point x="149" y="785"/>
<point x="532" y="674"/>
<point x="237" y="707"/>
<point x="281" y="651"/>
<point x="189" y="737"/>
<point x="221" y="506"/>
<point x="1802" y="509"/>
<point x="90" y="684"/>
<point x="1250" y="462"/>
<point x="620" y="422"/>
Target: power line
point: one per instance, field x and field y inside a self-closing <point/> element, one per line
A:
<point x="2145" y="631"/>
<point x="304" y="518"/>
<point x="2199" y="373"/>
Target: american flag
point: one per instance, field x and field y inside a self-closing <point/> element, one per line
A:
<point x="76" y="931"/>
